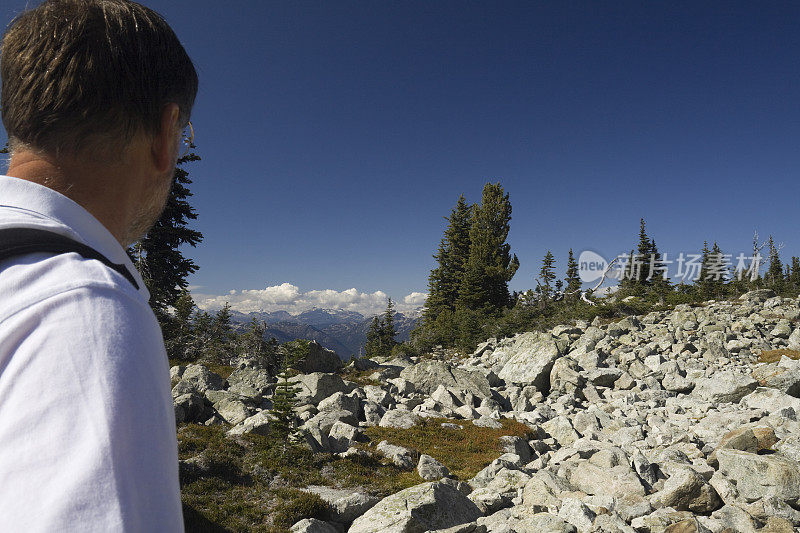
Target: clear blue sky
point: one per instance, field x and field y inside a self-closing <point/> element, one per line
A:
<point x="335" y="135"/>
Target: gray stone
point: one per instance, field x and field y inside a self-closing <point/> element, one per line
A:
<point x="784" y="378"/>
<point x="757" y="476"/>
<point x="686" y="490"/>
<point x="725" y="386"/>
<point x="318" y="359"/>
<point x="576" y="513"/>
<point x="429" y="506"/>
<point x="342" y="436"/>
<point x="399" y="418"/>
<point x="516" y="445"/>
<point x="317" y="386"/>
<point x="344" y="504"/>
<point x="378" y="395"/>
<point x="560" y="428"/>
<point x="339" y="401"/>
<point x="400" y="456"/>
<point x="429" y="374"/>
<point x="430" y="469"/>
<point x="758" y="296"/>
<point x="202" y="378"/>
<point x="324" y="420"/>
<point x="190" y="408"/>
<point x="487" y="422"/>
<point x="531" y="360"/>
<point x="250" y="382"/>
<point x="616" y="481"/>
<point x="771" y="400"/>
<point x="232" y="411"/>
<point x="259" y="424"/>
<point x="794" y="340"/>
<point x="312" y="525"/>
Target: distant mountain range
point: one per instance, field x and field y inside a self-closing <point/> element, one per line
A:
<point x="344" y="332"/>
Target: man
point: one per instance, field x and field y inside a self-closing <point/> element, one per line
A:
<point x="95" y="96"/>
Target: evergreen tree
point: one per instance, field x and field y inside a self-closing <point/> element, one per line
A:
<point x="794" y="275"/>
<point x="702" y="283"/>
<point x="373" y="346"/>
<point x="721" y="274"/>
<point x="285" y="397"/>
<point x="219" y="344"/>
<point x="659" y="284"/>
<point x="628" y="283"/>
<point x="573" y="278"/>
<point x="387" y="331"/>
<point x="774" y="273"/>
<point x="179" y="332"/>
<point x="451" y="258"/>
<point x="644" y="253"/>
<point x="158" y="257"/>
<point x="490" y="265"/>
<point x="546" y="276"/>
<point x="255" y="349"/>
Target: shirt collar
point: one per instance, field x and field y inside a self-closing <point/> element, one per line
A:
<point x="65" y="216"/>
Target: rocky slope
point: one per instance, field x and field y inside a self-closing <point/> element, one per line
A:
<point x="662" y="423"/>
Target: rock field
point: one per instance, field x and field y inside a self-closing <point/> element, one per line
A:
<point x="660" y="423"/>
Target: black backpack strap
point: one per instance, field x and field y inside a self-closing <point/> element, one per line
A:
<point x="21" y="241"/>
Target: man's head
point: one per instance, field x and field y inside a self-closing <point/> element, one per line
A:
<point x="93" y="81"/>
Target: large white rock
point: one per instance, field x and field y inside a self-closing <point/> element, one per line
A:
<point x="757" y="476"/>
<point x="530" y="360"/>
<point x="399" y="418"/>
<point x="429" y="374"/>
<point x="725" y="386"/>
<point x="344" y="504"/>
<point x="429" y="506"/>
<point x="317" y="386"/>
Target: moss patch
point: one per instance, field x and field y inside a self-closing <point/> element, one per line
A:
<point x="465" y="452"/>
<point x="773" y="356"/>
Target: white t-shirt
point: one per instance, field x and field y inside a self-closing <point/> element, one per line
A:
<point x="87" y="424"/>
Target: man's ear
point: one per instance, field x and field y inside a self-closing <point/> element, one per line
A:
<point x="165" y="143"/>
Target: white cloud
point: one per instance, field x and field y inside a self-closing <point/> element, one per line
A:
<point x="288" y="297"/>
<point x="416" y="298"/>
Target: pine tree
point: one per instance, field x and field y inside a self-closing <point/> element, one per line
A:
<point x="720" y="272"/>
<point x="573" y="278"/>
<point x="490" y="265"/>
<point x="373" y="346"/>
<point x="702" y="283"/>
<point x="451" y="259"/>
<point x="252" y="347"/>
<point x="387" y="331"/>
<point x="546" y="276"/>
<point x="219" y="346"/>
<point x="628" y="283"/>
<point x="774" y="273"/>
<point x="158" y="257"/>
<point x="794" y="275"/>
<point x="644" y="253"/>
<point x="178" y="332"/>
<point x="659" y="284"/>
<point x="285" y="397"/>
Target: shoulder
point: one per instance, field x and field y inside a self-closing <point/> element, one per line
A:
<point x="37" y="278"/>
